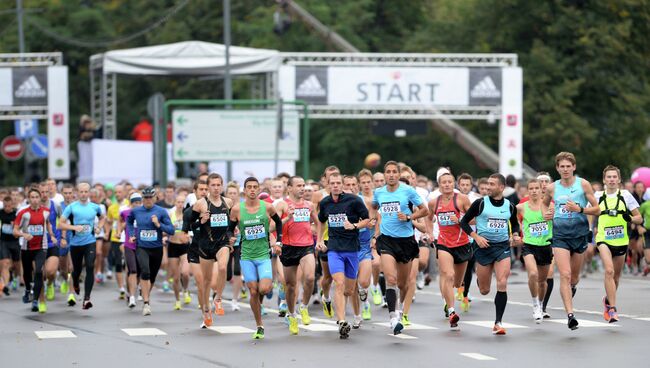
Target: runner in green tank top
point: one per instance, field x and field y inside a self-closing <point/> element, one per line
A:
<point x="253" y="218"/>
<point x="537" y="252"/>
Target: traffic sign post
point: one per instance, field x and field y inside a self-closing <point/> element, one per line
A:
<point x="26" y="128"/>
<point x="38" y="146"/>
<point x="12" y="148"/>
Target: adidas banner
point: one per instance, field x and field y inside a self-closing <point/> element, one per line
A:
<point x="29" y="86"/>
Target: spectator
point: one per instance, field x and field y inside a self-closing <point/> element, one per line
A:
<point x="510" y="193"/>
<point x="86" y="128"/>
<point x="143" y="131"/>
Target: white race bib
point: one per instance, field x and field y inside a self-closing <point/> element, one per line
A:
<point x="7" y="229"/>
<point x="614" y="232"/>
<point x="148" y="235"/>
<point x="444" y="218"/>
<point x="301" y="215"/>
<point x="86" y="229"/>
<point x="497" y="224"/>
<point x="254" y="232"/>
<point x="218" y="220"/>
<point x="337" y="220"/>
<point x="390" y="208"/>
<point x="538" y="229"/>
<point x="35" y="230"/>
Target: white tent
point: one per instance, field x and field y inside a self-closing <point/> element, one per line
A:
<point x="188" y="58"/>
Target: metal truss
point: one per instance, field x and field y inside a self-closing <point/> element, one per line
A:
<point x="398" y="59"/>
<point x="404" y="113"/>
<point x="23" y="112"/>
<point x="31" y="59"/>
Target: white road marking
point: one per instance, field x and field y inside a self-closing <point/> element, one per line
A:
<point x="143" y="332"/>
<point x="478" y="356"/>
<point x="490" y="324"/>
<point x="318" y="327"/>
<point x="59" y="334"/>
<point x="586" y="323"/>
<point x="413" y="326"/>
<point x="403" y="336"/>
<point x="230" y="329"/>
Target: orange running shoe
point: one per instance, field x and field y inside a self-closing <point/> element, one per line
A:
<point x="207" y="318"/>
<point x="218" y="308"/>
<point x="498" y="329"/>
<point x="606" y="311"/>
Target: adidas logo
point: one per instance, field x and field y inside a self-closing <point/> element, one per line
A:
<point x="311" y="87"/>
<point x="30" y="88"/>
<point x="485" y="89"/>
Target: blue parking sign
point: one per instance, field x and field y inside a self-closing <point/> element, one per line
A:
<point x="26" y="128"/>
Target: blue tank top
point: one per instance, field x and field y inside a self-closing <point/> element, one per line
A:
<point x="568" y="224"/>
<point x="492" y="223"/>
<point x="390" y="203"/>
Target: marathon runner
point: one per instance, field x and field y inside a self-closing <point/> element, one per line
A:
<point x="465" y="183"/>
<point x="394" y="236"/>
<point x="177" y="247"/>
<point x="234" y="268"/>
<point x="129" y="248"/>
<point x="64" y="251"/>
<point x="152" y="221"/>
<point x="617" y="209"/>
<point x="192" y="227"/>
<point x="345" y="214"/>
<point x="492" y="236"/>
<point x="252" y="216"/>
<point x="79" y="218"/>
<point x="52" y="262"/>
<point x="9" y="246"/>
<point x="117" y="238"/>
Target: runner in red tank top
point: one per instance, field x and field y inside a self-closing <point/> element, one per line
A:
<point x="298" y="250"/>
<point x="452" y="247"/>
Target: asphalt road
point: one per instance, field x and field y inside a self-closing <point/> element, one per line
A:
<point x="97" y="338"/>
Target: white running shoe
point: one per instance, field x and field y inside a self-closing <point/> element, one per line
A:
<point x="357" y="322"/>
<point x="235" y="305"/>
<point x="131" y="301"/>
<point x="146" y="310"/>
<point x="396" y="326"/>
<point x="537" y="314"/>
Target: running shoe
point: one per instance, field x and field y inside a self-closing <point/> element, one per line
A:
<point x="42" y="307"/>
<point x="545" y="314"/>
<point x="122" y="294"/>
<point x="344" y="329"/>
<point x="27" y="297"/>
<point x="218" y="308"/>
<point x="263" y="310"/>
<point x="572" y="322"/>
<point x="613" y="315"/>
<point x="465" y="304"/>
<point x="146" y="309"/>
<point x="405" y="320"/>
<point x="165" y="286"/>
<point x="453" y="321"/>
<point x="365" y="313"/>
<point x="234" y="305"/>
<point x="396" y="326"/>
<point x="327" y="309"/>
<point x="304" y="313"/>
<point x="283" y="308"/>
<point x="35" y="306"/>
<point x="177" y="305"/>
<point x="188" y="298"/>
<point x="376" y="297"/>
<point x="14" y="284"/>
<point x="72" y="300"/>
<point x="207" y="319"/>
<point x="357" y="322"/>
<point x="87" y="305"/>
<point x="259" y="334"/>
<point x="99" y="278"/>
<point x="606" y="306"/>
<point x="64" y="288"/>
<point x="419" y="281"/>
<point x="243" y="294"/>
<point x="363" y="294"/>
<point x="537" y="314"/>
<point x="498" y="329"/>
<point x="446" y="310"/>
<point x="281" y="294"/>
<point x="5" y="290"/>
<point x="646" y="271"/>
<point x="293" y="325"/>
<point x="459" y="293"/>
<point x="109" y="275"/>
<point x="131" y="301"/>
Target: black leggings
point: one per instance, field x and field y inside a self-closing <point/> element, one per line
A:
<point x="233" y="264"/>
<point x="467" y="280"/>
<point x="37" y="257"/>
<point x="149" y="260"/>
<point x="115" y="257"/>
<point x="79" y="254"/>
<point x="131" y="261"/>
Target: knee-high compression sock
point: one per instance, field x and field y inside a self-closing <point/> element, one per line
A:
<point x="391" y="298"/>
<point x="549" y="290"/>
<point x="500" y="301"/>
<point x="382" y="283"/>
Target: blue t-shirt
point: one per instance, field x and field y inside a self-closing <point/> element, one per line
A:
<point x="82" y="214"/>
<point x="567" y="224"/>
<point x="147" y="234"/>
<point x="390" y="203"/>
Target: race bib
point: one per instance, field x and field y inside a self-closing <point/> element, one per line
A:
<point x="444" y="218"/>
<point x="35" y="230"/>
<point x="390" y="208"/>
<point x="86" y="229"/>
<point x="178" y="225"/>
<point x="614" y="232"/>
<point x="148" y="235"/>
<point x="337" y="220"/>
<point x="218" y="220"/>
<point x="254" y="232"/>
<point x="497" y="224"/>
<point x="301" y="215"/>
<point x="538" y="229"/>
<point x="7" y="229"/>
<point x="563" y="212"/>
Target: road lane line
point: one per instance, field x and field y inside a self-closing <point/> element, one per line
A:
<point x="58" y="334"/>
<point x="478" y="356"/>
<point x="143" y="332"/>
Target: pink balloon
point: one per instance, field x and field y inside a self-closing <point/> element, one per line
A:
<point x="642" y="174"/>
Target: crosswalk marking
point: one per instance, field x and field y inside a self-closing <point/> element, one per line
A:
<point x="490" y="324"/>
<point x="478" y="356"/>
<point x="413" y="326"/>
<point x="586" y="323"/>
<point x="59" y="334"/>
<point x="318" y="327"/>
<point x="230" y="329"/>
<point x="143" y="332"/>
<point x="647" y="319"/>
<point x="403" y="336"/>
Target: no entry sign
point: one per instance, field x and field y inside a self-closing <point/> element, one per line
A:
<point x="12" y="148"/>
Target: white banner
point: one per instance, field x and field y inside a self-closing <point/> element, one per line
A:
<point x="58" y="123"/>
<point x="207" y="135"/>
<point x="511" y="125"/>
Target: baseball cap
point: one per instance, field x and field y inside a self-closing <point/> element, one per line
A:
<point x="135" y="197"/>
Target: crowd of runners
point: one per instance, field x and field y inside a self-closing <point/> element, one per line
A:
<point x="358" y="239"/>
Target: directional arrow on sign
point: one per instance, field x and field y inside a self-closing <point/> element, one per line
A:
<point x="181" y="136"/>
<point x="181" y="120"/>
<point x="181" y="152"/>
